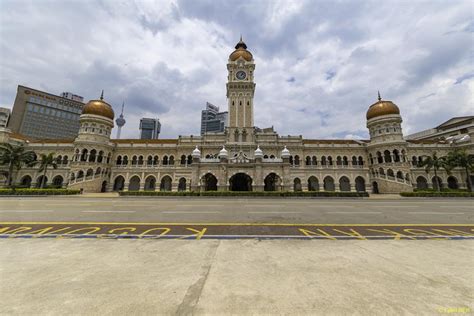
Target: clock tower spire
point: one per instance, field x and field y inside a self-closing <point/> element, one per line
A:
<point x="240" y="92"/>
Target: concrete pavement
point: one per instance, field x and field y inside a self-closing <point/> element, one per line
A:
<point x="239" y="277"/>
<point x="241" y="210"/>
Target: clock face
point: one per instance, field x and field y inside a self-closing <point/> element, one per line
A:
<point x="241" y="75"/>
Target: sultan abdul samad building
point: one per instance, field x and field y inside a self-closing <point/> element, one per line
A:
<point x="243" y="157"/>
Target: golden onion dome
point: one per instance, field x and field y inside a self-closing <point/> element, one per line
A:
<point x="382" y="107"/>
<point x="241" y="51"/>
<point x="99" y="107"/>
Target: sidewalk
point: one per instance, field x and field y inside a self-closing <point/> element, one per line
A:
<point x="385" y="196"/>
<point x="238" y="277"/>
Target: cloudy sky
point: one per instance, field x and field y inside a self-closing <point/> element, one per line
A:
<point x="319" y="63"/>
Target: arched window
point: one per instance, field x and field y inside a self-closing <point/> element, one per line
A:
<point x="400" y="175"/>
<point x="171" y="160"/>
<point x="134" y="160"/>
<point x="165" y="184"/>
<point x="396" y="155"/>
<point x="421" y="183"/>
<point x="89" y="173"/>
<point x="182" y="184"/>
<point x="330" y="160"/>
<point x="297" y="160"/>
<point x="291" y="160"/>
<point x="308" y="160"/>
<point x="183" y="160"/>
<point x="65" y="160"/>
<point x="371" y="159"/>
<point x="156" y="159"/>
<point x="119" y="183"/>
<point x="125" y="160"/>
<point x="360" y="184"/>
<point x="387" y="157"/>
<point x="313" y="184"/>
<point x="453" y="183"/>
<point x="345" y="162"/>
<point x="344" y="184"/>
<point x="100" y="158"/>
<point x="165" y="160"/>
<point x="190" y="161"/>
<point x="314" y="161"/>
<point x="323" y="160"/>
<point x="297" y="185"/>
<point x="134" y="184"/>
<point x="92" y="155"/>
<point x="98" y="171"/>
<point x="329" y="184"/>
<point x="119" y="160"/>
<point x="390" y="173"/>
<point x="379" y="157"/>
<point x="150" y="183"/>
<point x="381" y="172"/>
<point x="339" y="161"/>
<point x="414" y="161"/>
<point x="59" y="159"/>
<point x="140" y="160"/>
<point x="80" y="174"/>
<point x="354" y="160"/>
<point x="360" y="161"/>
<point x="84" y="155"/>
<point x="149" y="160"/>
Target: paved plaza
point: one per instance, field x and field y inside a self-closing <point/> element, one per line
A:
<point x="99" y="255"/>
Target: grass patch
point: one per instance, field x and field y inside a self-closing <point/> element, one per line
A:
<point x="251" y="193"/>
<point x="433" y="193"/>
<point x="38" y="192"/>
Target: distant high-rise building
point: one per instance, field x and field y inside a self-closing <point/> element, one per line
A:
<point x="120" y="122"/>
<point x="72" y="96"/>
<point x="39" y="114"/>
<point x="150" y="128"/>
<point x="212" y="120"/>
<point x="4" y="116"/>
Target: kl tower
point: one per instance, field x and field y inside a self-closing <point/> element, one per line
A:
<point x="120" y="121"/>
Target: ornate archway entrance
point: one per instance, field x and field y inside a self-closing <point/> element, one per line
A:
<point x="240" y="182"/>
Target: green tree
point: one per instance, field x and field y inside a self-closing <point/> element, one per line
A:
<point x="15" y="156"/>
<point x="460" y="158"/>
<point x="434" y="162"/>
<point x="45" y="162"/>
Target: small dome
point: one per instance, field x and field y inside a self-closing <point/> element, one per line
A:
<point x="285" y="153"/>
<point x="258" y="152"/>
<point x="241" y="51"/>
<point x="223" y="153"/>
<point x="99" y="107"/>
<point x="382" y="107"/>
<point x="196" y="153"/>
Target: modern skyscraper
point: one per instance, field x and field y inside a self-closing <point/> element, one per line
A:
<point x="120" y="121"/>
<point x="150" y="128"/>
<point x="4" y="116"/>
<point x="212" y="120"/>
<point x="39" y="114"/>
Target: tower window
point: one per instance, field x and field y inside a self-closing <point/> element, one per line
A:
<point x="232" y="102"/>
<point x="248" y="103"/>
<point x="240" y="102"/>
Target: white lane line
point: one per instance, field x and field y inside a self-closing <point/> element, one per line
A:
<point x="108" y="211"/>
<point x="396" y="206"/>
<point x="435" y="213"/>
<point x="353" y="212"/>
<point x="189" y="212"/>
<point x="274" y="212"/>
<point x="28" y="211"/>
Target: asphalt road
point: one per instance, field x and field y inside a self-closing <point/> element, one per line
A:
<point x="212" y="210"/>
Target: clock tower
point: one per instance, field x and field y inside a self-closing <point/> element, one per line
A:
<point x="240" y="92"/>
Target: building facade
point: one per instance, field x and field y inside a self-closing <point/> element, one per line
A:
<point x="242" y="157"/>
<point x="40" y="115"/>
<point x="213" y="121"/>
<point x="150" y="128"/>
<point x="4" y="116"/>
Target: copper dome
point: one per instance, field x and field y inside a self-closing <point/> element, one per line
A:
<point x="382" y="107"/>
<point x="241" y="51"/>
<point x="99" y="107"/>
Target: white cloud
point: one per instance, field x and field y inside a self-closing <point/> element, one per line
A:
<point x="319" y="63"/>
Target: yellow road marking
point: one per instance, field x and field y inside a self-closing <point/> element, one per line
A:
<point x="221" y="224"/>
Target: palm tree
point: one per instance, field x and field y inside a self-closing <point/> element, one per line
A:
<point x="46" y="161"/>
<point x="434" y="162"/>
<point x="460" y="158"/>
<point x="15" y="156"/>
